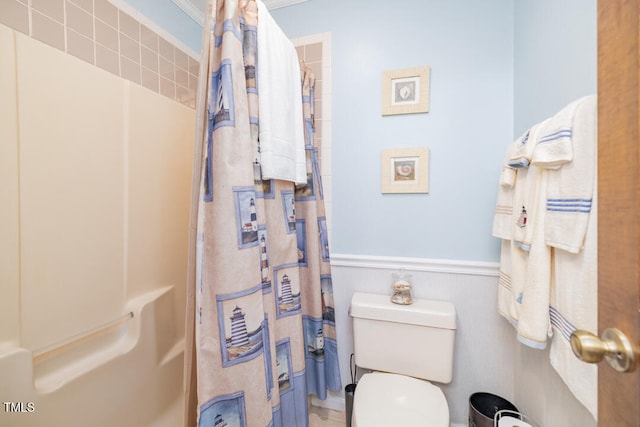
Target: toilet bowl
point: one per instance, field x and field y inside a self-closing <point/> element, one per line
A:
<point x="407" y="346"/>
<point x="383" y="399"/>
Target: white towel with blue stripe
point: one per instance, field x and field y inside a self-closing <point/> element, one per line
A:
<point x="551" y="288"/>
<point x="524" y="283"/>
<point x="529" y="196"/>
<point x="533" y="302"/>
<point x="574" y="305"/>
<point x="571" y="187"/>
<point x="506" y="301"/>
<point x="522" y="153"/>
<point x="503" y="226"/>
<point x="554" y="147"/>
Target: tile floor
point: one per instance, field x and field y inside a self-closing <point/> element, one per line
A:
<point x="322" y="417"/>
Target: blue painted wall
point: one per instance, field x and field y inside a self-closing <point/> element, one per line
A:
<point x="555" y="57"/>
<point x="497" y="67"/>
<point x="469" y="46"/>
<point x="172" y="19"/>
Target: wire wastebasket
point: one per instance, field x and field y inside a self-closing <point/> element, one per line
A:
<point x="484" y="406"/>
<point x="507" y="418"/>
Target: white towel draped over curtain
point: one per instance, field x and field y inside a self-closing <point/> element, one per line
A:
<point x="546" y="216"/>
<point x="282" y="152"/>
<point x="260" y="322"/>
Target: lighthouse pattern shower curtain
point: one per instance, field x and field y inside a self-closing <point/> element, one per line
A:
<point x="264" y="315"/>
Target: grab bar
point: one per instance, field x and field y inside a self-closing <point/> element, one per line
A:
<point x="82" y="336"/>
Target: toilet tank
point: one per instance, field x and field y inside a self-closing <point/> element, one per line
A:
<point x="415" y="340"/>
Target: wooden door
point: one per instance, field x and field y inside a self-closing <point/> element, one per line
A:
<point x="618" y="192"/>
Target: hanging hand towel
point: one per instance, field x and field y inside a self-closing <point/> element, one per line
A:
<point x="523" y="150"/>
<point x="520" y="155"/>
<point x="533" y="301"/>
<point x="554" y="148"/>
<point x="571" y="228"/>
<point x="574" y="305"/>
<point x="523" y="294"/>
<point x="525" y="275"/>
<point x="282" y="151"/>
<point x="510" y="218"/>
<point x="513" y="260"/>
<point x="571" y="187"/>
<point x="527" y="201"/>
<point x="503" y="229"/>
<point x="502" y="218"/>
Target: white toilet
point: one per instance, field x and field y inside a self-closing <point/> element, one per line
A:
<point x="407" y="346"/>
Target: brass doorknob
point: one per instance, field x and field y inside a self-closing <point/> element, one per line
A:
<point x="614" y="346"/>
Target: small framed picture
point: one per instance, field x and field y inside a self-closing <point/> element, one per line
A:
<point x="405" y="91"/>
<point x="405" y="170"/>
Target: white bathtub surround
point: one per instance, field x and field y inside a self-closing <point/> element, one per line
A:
<point x="81" y="382"/>
<point x="97" y="223"/>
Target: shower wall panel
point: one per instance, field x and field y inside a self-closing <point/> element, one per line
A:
<point x="95" y="177"/>
<point x="9" y="213"/>
<point x="72" y="226"/>
<point x="160" y="156"/>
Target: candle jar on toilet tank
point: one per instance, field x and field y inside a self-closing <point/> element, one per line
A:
<point x="401" y="288"/>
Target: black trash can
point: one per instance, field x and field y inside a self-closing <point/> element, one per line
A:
<point x="349" y="391"/>
<point x="483" y="407"/>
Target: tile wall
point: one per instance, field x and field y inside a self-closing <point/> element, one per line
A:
<point x="315" y="51"/>
<point x="98" y="32"/>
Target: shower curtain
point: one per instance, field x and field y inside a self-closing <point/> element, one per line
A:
<point x="260" y="323"/>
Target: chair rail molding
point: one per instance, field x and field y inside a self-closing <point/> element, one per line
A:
<point x="476" y="268"/>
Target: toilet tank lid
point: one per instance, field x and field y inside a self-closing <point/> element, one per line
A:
<point x="423" y="312"/>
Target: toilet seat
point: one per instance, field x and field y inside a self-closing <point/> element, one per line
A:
<point x="383" y="399"/>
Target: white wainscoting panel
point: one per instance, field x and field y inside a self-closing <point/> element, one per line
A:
<point x="485" y="343"/>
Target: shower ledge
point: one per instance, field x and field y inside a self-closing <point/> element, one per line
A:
<point x="60" y="366"/>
